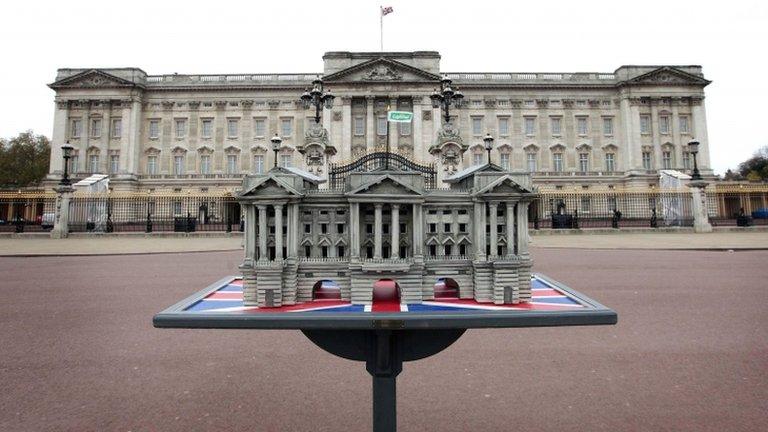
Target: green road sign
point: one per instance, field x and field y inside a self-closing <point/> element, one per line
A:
<point x="400" y="116"/>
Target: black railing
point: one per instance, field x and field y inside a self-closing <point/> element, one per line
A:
<point x="380" y="161"/>
<point x="27" y="212"/>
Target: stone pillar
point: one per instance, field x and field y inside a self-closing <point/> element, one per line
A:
<point x="346" y="125"/>
<point x="354" y="230"/>
<point x="479" y="225"/>
<point x="278" y="232"/>
<point x="494" y="223"/>
<point x="263" y="255"/>
<point x="699" y="115"/>
<point x="370" y="124"/>
<point x="59" y="137"/>
<point x="510" y="228"/>
<point x="522" y="228"/>
<point x="250" y="233"/>
<point x="395" y="229"/>
<point x="106" y="115"/>
<point x="699" y="206"/>
<point x="392" y="128"/>
<point x="418" y="141"/>
<point x="377" y="231"/>
<point x="418" y="231"/>
<point x="61" y="218"/>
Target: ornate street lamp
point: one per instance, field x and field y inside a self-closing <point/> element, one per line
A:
<point x="488" y="140"/>
<point x="66" y="150"/>
<point x="446" y="97"/>
<point x="693" y="148"/>
<point x="276" y="141"/>
<point x="317" y="98"/>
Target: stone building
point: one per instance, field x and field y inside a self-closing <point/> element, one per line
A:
<point x="192" y="132"/>
<point x="388" y="221"/>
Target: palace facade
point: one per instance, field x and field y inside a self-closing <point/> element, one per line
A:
<point x="197" y="133"/>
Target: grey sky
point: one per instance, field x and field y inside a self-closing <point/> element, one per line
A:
<point x="729" y="39"/>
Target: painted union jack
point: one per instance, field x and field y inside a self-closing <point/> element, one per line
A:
<point x="327" y="298"/>
<point x="386" y="10"/>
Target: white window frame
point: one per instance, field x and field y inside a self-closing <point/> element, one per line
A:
<point x="381" y="126"/>
<point x="477" y="159"/>
<point x="647" y="159"/>
<point x="152" y="164"/>
<point x="93" y="163"/>
<point x="664" y="124"/>
<point x="583" y="162"/>
<point x="531" y="162"/>
<point x="114" y="163"/>
<point x="477" y="126"/>
<point x="684" y="120"/>
<point x="116" y="128"/>
<point x="96" y="131"/>
<point x="557" y="162"/>
<point x="556" y="125"/>
<point x="259" y="127"/>
<point x="206" y="128"/>
<point x="286" y="160"/>
<point x="205" y="164"/>
<point x="178" y="164"/>
<point x="286" y="127"/>
<point x="503" y="126"/>
<point x="154" y="129"/>
<point x="76" y="128"/>
<point x="530" y="126"/>
<point x="404" y="128"/>
<point x="666" y="159"/>
<point x="504" y="161"/>
<point x="359" y="126"/>
<point x="233" y="128"/>
<point x="608" y="126"/>
<point x="232" y="164"/>
<point x="258" y="164"/>
<point x="180" y="127"/>
<point x="582" y="126"/>
<point x="610" y="162"/>
<point x="645" y="124"/>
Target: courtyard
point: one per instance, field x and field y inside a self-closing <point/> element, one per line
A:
<point x="689" y="352"/>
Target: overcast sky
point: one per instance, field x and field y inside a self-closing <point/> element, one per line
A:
<point x="729" y="39"/>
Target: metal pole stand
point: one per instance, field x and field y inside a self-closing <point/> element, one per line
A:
<point x="384" y="352"/>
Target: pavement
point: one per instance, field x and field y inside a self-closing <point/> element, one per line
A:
<point x="137" y="244"/>
<point x="690" y="353"/>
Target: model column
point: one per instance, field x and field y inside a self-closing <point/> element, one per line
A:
<point x="250" y="233"/>
<point x="394" y="248"/>
<point x="494" y="228"/>
<point x="354" y="230"/>
<point x="479" y="224"/>
<point x="418" y="231"/>
<point x="263" y="255"/>
<point x="522" y="228"/>
<point x="377" y="231"/>
<point x="510" y="228"/>
<point x="278" y="232"/>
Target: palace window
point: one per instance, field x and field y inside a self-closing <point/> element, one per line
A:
<point x="324" y="251"/>
<point x="477" y="126"/>
<point x="152" y="165"/>
<point x="340" y="251"/>
<point x="462" y="249"/>
<point x="684" y="126"/>
<point x="609" y="162"/>
<point x="585" y="204"/>
<point x="686" y="160"/>
<point x="154" y="129"/>
<point x="447" y="249"/>
<point x="531" y="162"/>
<point x="96" y="128"/>
<point x="232" y="128"/>
<point x="359" y="126"/>
<point x="583" y="162"/>
<point x="432" y="228"/>
<point x="581" y="124"/>
<point x="645" y="124"/>
<point x="403" y="228"/>
<point x="503" y="126"/>
<point x="556" y="125"/>
<point x="76" y="128"/>
<point x="205" y="164"/>
<point x="307" y="228"/>
<point x="607" y="126"/>
<point x="385" y="228"/>
<point x="178" y="165"/>
<point x="258" y="164"/>
<point x="307" y="251"/>
<point x="369" y="228"/>
<point x="381" y="126"/>
<point x="93" y="163"/>
<point x="117" y="128"/>
<point x="446" y="228"/>
<point x="114" y="163"/>
<point x="339" y="228"/>
<point x="403" y="252"/>
<point x="462" y="228"/>
<point x="231" y="164"/>
<point x="405" y="128"/>
<point x="477" y="159"/>
<point x="557" y="162"/>
<point x="666" y="159"/>
<point x="286" y="127"/>
<point x="647" y="160"/>
<point x="259" y="127"/>
<point x="207" y="128"/>
<point x="181" y="128"/>
<point x="324" y="228"/>
<point x="664" y="124"/>
<point x="504" y="159"/>
<point x="432" y="250"/>
<point x="73" y="164"/>
<point x="530" y="126"/>
<point x="285" y="160"/>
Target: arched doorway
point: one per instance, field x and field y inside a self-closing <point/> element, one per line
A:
<point x="386" y="296"/>
<point x="446" y="288"/>
<point x="326" y="289"/>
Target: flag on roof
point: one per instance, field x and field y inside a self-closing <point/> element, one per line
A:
<point x="386" y="10"/>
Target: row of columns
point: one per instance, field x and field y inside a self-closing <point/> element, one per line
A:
<point x="394" y="229"/>
<point x="520" y="240"/>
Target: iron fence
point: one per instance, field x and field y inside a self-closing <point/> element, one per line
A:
<point x="738" y="206"/>
<point x="26" y="212"/>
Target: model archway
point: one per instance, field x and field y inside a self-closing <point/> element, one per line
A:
<point x="326" y="289"/>
<point x="446" y="288"/>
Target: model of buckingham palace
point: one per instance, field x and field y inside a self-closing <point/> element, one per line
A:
<point x="383" y="216"/>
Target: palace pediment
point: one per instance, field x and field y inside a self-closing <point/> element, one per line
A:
<point x="667" y="75"/>
<point x="93" y="78"/>
<point x="385" y="185"/>
<point x="381" y="70"/>
<point x="271" y="187"/>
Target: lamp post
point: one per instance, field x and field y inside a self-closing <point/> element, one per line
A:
<point x="446" y="97"/>
<point x="693" y="148"/>
<point x="276" y="141"/>
<point x="488" y="140"/>
<point x="317" y="98"/>
<point x="66" y="150"/>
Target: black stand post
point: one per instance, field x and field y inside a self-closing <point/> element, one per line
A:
<point x="384" y="352"/>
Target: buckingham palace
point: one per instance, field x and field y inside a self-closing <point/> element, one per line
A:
<point x="186" y="132"/>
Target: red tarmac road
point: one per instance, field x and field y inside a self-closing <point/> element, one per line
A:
<point x="690" y="353"/>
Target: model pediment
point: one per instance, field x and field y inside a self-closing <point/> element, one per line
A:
<point x="93" y="78"/>
<point x="270" y="187"/>
<point x="668" y="76"/>
<point x="504" y="186"/>
<point x="386" y="185"/>
<point x="382" y="70"/>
